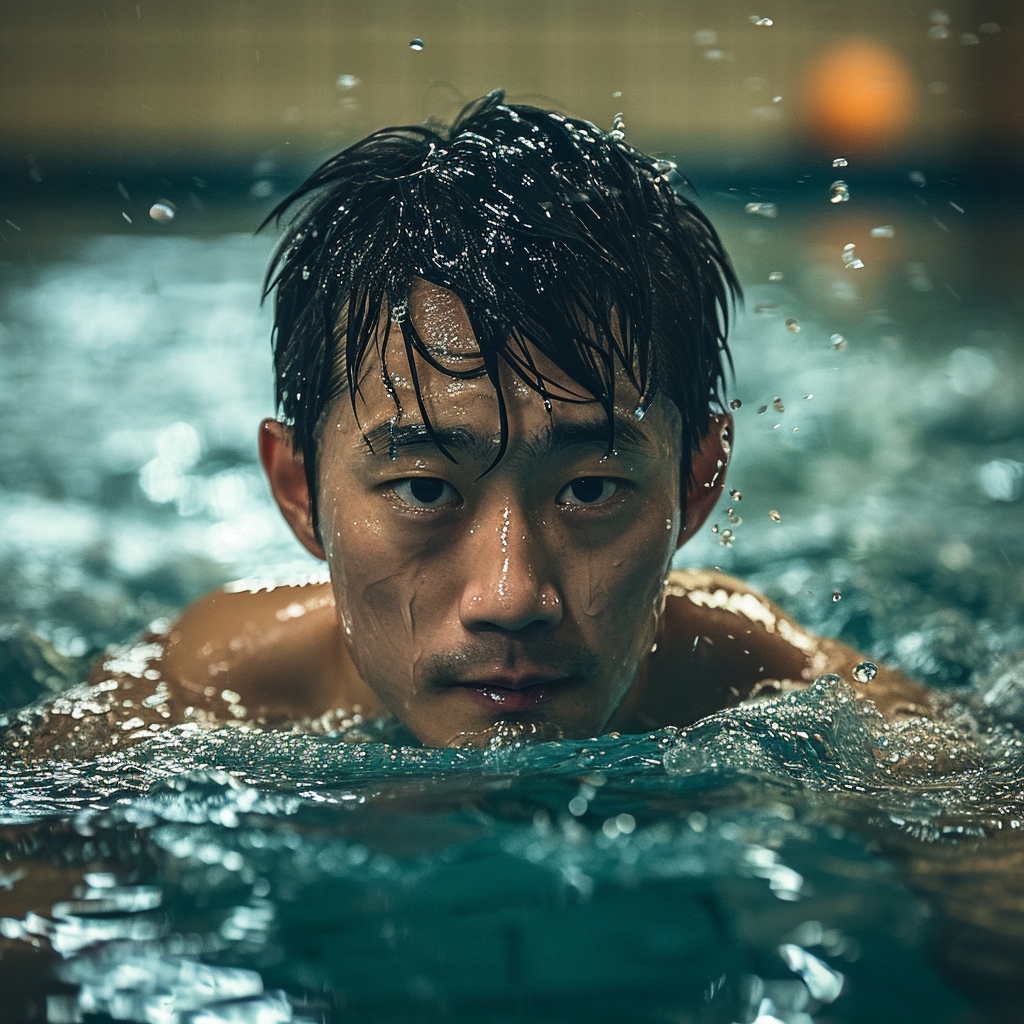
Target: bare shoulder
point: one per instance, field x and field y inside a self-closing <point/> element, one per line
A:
<point x="721" y="642"/>
<point x="251" y="653"/>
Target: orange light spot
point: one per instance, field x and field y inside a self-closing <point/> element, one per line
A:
<point x="858" y="96"/>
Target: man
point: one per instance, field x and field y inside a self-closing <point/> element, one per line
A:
<point x="499" y="352"/>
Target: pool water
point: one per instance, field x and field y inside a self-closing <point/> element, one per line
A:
<point x="794" y="860"/>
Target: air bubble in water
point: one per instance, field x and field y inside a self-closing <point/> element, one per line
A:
<point x="840" y="161"/>
<point x="865" y="671"/>
<point x="775" y="275"/>
<point x="735" y="403"/>
<point x="762" y="209"/>
<point x="839" y="192"/>
<point x="415" y="44"/>
<point x="163" y="211"/>
<point x="774" y="516"/>
<point x="838" y="342"/>
<point x="793" y="325"/>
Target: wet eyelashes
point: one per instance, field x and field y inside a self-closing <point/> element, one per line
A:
<point x="425" y="492"/>
<point x="431" y="492"/>
<point x="589" y="490"/>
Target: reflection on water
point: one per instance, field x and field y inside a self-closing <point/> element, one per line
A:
<point x="791" y="860"/>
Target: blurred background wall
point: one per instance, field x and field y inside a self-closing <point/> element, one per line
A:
<point x="153" y="82"/>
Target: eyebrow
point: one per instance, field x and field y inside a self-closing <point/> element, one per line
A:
<point x="554" y="439"/>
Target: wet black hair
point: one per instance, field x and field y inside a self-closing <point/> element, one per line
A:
<point x="553" y="234"/>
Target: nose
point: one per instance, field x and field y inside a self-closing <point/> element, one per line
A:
<point x="507" y="585"/>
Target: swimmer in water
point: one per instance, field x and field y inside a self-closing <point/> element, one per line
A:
<point x="500" y="350"/>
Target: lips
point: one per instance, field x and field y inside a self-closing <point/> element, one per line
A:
<point x="506" y="695"/>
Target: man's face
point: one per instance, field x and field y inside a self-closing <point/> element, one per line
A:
<point x="525" y="594"/>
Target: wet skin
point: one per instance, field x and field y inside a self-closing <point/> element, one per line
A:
<point x="471" y="592"/>
<point x="468" y="598"/>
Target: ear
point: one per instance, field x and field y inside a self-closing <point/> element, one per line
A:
<point x="707" y="478"/>
<point x="287" y="476"/>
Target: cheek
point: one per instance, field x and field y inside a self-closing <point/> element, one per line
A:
<point x="618" y="586"/>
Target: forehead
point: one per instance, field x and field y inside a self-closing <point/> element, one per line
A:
<point x="393" y="380"/>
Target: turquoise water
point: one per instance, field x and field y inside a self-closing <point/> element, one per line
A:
<point x="792" y="860"/>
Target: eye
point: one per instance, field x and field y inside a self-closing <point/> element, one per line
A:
<point x="425" y="492"/>
<point x="589" y="490"/>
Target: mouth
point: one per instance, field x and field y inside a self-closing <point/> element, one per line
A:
<point x="505" y="694"/>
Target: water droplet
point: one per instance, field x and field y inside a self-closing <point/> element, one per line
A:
<point x="774" y="516"/>
<point x="762" y="409"/>
<point x="399" y="311"/>
<point x="883" y="231"/>
<point x="839" y="192"/>
<point x="865" y="672"/>
<point x="665" y="167"/>
<point x="836" y="596"/>
<point x="838" y="342"/>
<point x="775" y="275"/>
<point x="305" y="273"/>
<point x="918" y="178"/>
<point x="618" y="132"/>
<point x="756" y="19"/>
<point x="714" y="529"/>
<point x="808" y="396"/>
<point x="415" y="44"/>
<point x="735" y="403"/>
<point x="793" y="325"/>
<point x="727" y="539"/>
<point x="347" y="81"/>
<point x="162" y="211"/>
<point x="762" y="209"/>
<point x="840" y="161"/>
<point x="639" y="413"/>
<point x="736" y="495"/>
<point x="617" y="94"/>
<point x="126" y="217"/>
<point x="850" y="259"/>
<point x="777" y="402"/>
